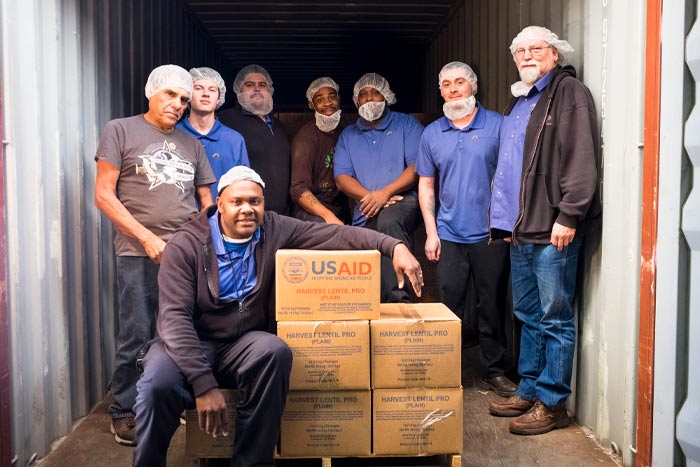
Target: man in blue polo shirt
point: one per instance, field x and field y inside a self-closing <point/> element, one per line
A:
<point x="461" y="150"/>
<point x="374" y="165"/>
<point x="225" y="147"/>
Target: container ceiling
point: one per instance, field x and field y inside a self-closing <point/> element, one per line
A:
<point x="300" y="41"/>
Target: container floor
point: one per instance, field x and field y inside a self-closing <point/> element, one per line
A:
<point x="487" y="441"/>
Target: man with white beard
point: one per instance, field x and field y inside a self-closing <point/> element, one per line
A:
<point x="549" y="141"/>
<point x="265" y="137"/>
<point x="313" y="188"/>
<point x="374" y="165"/>
<point x="461" y="151"/>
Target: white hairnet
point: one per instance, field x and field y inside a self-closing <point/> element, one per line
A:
<point x="376" y="81"/>
<point x="211" y="75"/>
<point x="236" y="174"/>
<point x="317" y="84"/>
<point x="465" y="70"/>
<point x="540" y="33"/>
<point x="245" y="71"/>
<point x="168" y="76"/>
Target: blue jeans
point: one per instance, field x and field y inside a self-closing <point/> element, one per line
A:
<point x="137" y="283"/>
<point x="544" y="283"/>
<point x="258" y="364"/>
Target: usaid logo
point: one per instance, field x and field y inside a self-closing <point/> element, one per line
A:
<point x="343" y="268"/>
<point x="295" y="270"/>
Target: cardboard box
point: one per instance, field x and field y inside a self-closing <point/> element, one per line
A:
<point x="318" y="285"/>
<point x="416" y="345"/>
<point x="327" y="423"/>
<point x="328" y="355"/>
<point x="417" y="421"/>
<point x="201" y="445"/>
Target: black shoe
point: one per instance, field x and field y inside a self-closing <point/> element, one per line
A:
<point x="501" y="385"/>
<point x="124" y="430"/>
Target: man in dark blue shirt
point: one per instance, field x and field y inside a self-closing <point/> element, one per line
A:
<point x="461" y="150"/>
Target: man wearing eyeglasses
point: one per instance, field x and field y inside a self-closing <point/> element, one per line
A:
<point x="265" y="137"/>
<point x="544" y="200"/>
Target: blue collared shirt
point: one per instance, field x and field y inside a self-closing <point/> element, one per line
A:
<point x="376" y="156"/>
<point x="237" y="271"/>
<point x="505" y="198"/>
<point x="464" y="162"/>
<point x="224" y="146"/>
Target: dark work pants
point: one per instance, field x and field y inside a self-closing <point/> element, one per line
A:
<point x="258" y="364"/>
<point x="137" y="282"/>
<point x="399" y="220"/>
<point x="487" y="268"/>
<point x="340" y="211"/>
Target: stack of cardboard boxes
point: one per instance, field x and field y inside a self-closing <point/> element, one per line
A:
<point x="367" y="379"/>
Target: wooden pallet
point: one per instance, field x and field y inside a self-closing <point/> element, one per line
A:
<point x="441" y="460"/>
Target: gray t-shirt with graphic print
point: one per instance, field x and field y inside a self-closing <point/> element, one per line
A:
<point x="158" y="174"/>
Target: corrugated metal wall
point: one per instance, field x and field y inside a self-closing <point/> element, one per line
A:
<point x="68" y="67"/>
<point x="674" y="287"/>
<point x="688" y="421"/>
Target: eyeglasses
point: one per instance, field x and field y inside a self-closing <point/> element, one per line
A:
<point x="535" y="51"/>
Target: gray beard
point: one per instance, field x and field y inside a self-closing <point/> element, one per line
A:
<point x="530" y="75"/>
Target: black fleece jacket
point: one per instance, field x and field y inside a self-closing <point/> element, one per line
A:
<point x="190" y="309"/>
<point x="560" y="161"/>
<point x="269" y="152"/>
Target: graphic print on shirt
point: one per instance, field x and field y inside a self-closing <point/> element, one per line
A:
<point x="328" y="160"/>
<point x="164" y="164"/>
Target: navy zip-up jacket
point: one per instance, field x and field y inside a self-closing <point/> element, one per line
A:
<point x="190" y="309"/>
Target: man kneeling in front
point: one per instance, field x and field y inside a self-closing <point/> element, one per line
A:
<point x="216" y="320"/>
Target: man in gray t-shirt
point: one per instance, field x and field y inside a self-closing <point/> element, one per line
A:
<point x="150" y="178"/>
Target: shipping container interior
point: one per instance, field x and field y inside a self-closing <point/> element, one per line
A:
<point x="98" y="54"/>
<point x="405" y="41"/>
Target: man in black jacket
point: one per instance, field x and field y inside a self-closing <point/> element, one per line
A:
<point x="265" y="137"/>
<point x="544" y="199"/>
<point x="216" y="320"/>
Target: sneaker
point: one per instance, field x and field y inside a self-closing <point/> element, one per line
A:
<point x="124" y="430"/>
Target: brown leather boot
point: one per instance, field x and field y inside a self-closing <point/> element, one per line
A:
<point x="514" y="406"/>
<point x="539" y="419"/>
<point x="501" y="385"/>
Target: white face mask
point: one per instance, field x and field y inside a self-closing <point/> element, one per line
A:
<point x="460" y="108"/>
<point x="371" y="111"/>
<point x="258" y="103"/>
<point x="327" y="123"/>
